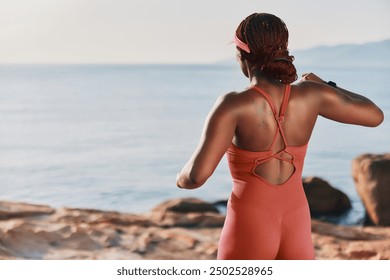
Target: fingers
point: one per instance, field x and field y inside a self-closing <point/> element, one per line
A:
<point x="306" y="77"/>
<point x="311" y="77"/>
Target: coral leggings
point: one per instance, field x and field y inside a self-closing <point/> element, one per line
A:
<point x="266" y="221"/>
<point x="274" y="228"/>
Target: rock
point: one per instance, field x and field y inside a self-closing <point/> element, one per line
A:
<point x="186" y="212"/>
<point x="9" y="210"/>
<point x="91" y="216"/>
<point x="5" y="254"/>
<point x="222" y="203"/>
<point x="342" y="232"/>
<point x="173" y="219"/>
<point x="335" y="242"/>
<point x="182" y="243"/>
<point x="23" y="241"/>
<point x="323" y="198"/>
<point x="88" y="234"/>
<point x="182" y="237"/>
<point x="185" y="205"/>
<point x="371" y="174"/>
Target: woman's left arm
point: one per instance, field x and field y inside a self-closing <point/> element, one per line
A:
<point x="217" y="136"/>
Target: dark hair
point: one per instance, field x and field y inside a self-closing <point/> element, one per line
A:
<point x="267" y="38"/>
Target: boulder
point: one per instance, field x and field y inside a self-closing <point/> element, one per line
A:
<point x="186" y="205"/>
<point x="323" y="198"/>
<point x="11" y="210"/>
<point x="186" y="212"/>
<point x="371" y="174"/>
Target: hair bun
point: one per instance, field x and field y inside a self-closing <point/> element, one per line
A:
<point x="280" y="67"/>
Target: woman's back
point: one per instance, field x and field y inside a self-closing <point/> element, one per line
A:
<point x="258" y="129"/>
<point x="256" y="125"/>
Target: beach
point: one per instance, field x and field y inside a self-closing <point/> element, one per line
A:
<point x="178" y="229"/>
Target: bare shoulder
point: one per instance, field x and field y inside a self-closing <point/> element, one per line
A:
<point x="310" y="91"/>
<point x="233" y="96"/>
<point x="321" y="91"/>
<point x="233" y="99"/>
<point x="309" y="87"/>
<point x="227" y="97"/>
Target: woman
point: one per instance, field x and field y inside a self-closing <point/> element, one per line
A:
<point x="264" y="130"/>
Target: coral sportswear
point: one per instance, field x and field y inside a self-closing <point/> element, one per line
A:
<point x="264" y="220"/>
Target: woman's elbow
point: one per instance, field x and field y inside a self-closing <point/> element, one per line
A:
<point x="193" y="180"/>
<point x="189" y="184"/>
<point x="197" y="179"/>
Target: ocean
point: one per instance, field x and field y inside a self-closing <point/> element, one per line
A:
<point x="113" y="137"/>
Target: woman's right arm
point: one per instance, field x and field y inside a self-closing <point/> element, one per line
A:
<point x="345" y="106"/>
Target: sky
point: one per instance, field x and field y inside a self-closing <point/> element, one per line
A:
<point x="172" y="31"/>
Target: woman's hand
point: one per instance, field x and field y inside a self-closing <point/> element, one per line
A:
<point x="311" y="77"/>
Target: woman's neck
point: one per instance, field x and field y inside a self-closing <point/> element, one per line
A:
<point x="256" y="77"/>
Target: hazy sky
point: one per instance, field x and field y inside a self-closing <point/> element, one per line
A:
<point x="171" y="31"/>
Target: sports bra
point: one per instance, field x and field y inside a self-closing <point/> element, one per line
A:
<point x="295" y="154"/>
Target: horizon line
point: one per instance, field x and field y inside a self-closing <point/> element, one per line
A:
<point x="180" y="63"/>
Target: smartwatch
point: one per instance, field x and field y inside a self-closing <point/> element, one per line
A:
<point x="332" y="84"/>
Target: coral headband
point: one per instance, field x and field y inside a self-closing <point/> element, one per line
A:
<point x="241" y="44"/>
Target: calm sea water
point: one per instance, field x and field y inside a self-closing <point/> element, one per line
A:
<point x="113" y="137"/>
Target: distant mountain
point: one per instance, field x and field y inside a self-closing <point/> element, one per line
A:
<point x="374" y="54"/>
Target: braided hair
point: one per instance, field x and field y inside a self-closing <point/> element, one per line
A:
<point x="267" y="38"/>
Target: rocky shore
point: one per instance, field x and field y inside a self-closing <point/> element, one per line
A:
<point x="176" y="229"/>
